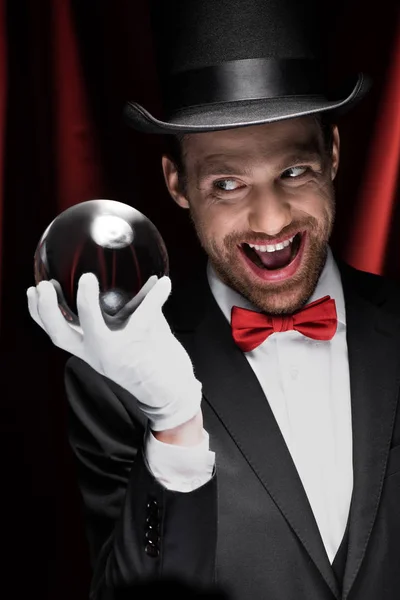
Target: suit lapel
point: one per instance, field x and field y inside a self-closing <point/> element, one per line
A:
<point x="373" y="348"/>
<point x="234" y="393"/>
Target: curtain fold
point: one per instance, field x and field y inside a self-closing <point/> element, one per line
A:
<point x="78" y="160"/>
<point x="66" y="69"/>
<point x="379" y="190"/>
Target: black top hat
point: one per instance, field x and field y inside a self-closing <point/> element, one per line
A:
<point x="231" y="63"/>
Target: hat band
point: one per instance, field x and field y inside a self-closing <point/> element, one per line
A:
<point x="247" y="79"/>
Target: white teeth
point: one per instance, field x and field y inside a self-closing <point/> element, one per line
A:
<point x="272" y="247"/>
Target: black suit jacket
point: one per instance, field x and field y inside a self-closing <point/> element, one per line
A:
<point x="250" y="529"/>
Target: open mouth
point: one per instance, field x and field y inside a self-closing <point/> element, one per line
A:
<point x="273" y="256"/>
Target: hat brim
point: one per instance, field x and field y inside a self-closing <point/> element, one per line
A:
<point x="229" y="115"/>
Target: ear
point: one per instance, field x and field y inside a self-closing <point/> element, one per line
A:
<point x="335" y="152"/>
<point x="173" y="184"/>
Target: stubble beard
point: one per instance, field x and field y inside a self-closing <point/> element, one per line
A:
<point x="272" y="298"/>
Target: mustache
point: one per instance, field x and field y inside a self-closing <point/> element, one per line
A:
<point x="233" y="239"/>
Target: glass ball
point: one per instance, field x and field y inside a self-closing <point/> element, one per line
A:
<point x="116" y="242"/>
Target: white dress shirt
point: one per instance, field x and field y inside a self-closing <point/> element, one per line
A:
<point x="307" y="385"/>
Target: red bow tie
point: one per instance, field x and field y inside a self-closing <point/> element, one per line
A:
<point x="317" y="320"/>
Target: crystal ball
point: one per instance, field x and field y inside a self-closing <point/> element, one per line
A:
<point x="116" y="242"/>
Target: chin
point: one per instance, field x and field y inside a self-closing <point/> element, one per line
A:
<point x="282" y="303"/>
<point x="280" y="297"/>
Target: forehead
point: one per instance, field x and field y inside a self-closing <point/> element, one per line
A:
<point x="254" y="143"/>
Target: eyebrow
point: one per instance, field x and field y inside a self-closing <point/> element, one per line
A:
<point x="236" y="164"/>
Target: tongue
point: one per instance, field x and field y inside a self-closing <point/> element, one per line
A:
<point x="277" y="259"/>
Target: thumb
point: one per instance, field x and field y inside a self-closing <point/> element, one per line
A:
<point x="153" y="302"/>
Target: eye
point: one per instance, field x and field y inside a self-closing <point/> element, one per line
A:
<point x="226" y="185"/>
<point x="295" y="172"/>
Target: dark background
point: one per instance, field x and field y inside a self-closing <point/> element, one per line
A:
<point x="66" y="70"/>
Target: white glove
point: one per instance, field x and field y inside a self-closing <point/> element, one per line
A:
<point x="144" y="357"/>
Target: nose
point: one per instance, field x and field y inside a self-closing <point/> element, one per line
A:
<point x="269" y="212"/>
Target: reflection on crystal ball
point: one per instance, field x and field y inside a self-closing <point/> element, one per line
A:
<point x="111" y="232"/>
<point x="116" y="242"/>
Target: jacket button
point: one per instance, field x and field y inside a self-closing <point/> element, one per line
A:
<point x="152" y="550"/>
<point x="153" y="523"/>
<point x="152" y="507"/>
<point x="152" y="536"/>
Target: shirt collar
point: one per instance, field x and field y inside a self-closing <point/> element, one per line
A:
<point x="329" y="284"/>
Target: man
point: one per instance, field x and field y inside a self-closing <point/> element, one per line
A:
<point x="257" y="444"/>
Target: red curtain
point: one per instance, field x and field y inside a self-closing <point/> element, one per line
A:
<point x="3" y="101"/>
<point x="66" y="70"/>
<point x="379" y="190"/>
<point x="77" y="159"/>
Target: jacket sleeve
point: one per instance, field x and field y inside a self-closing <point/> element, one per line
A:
<point x="137" y="529"/>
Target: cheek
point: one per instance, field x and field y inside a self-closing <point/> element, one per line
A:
<point x="213" y="221"/>
<point x="318" y="202"/>
<point x="206" y="225"/>
<point x="217" y="229"/>
<point x="325" y="206"/>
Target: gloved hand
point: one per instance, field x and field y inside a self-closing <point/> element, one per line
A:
<point x="144" y="357"/>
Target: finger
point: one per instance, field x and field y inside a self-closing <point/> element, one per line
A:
<point x="132" y="305"/>
<point x="88" y="305"/>
<point x="32" y="298"/>
<point x="53" y="321"/>
<point x="145" y="289"/>
<point x="153" y="302"/>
